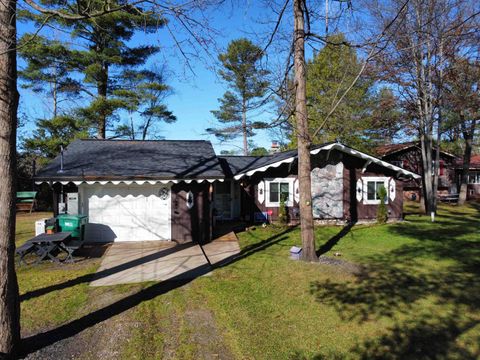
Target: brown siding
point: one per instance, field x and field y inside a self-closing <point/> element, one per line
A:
<point x="190" y="224"/>
<point x="352" y="209"/>
<point x="355" y="210"/>
<point x="412" y="160"/>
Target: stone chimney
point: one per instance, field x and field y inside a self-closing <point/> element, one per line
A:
<point x="275" y="147"/>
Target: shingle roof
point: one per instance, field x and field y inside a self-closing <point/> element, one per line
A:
<point x="385" y="150"/>
<point x="238" y="164"/>
<point x="133" y="159"/>
<point x="388" y="149"/>
<point x="474" y="162"/>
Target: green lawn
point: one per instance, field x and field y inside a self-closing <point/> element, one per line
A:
<point x="416" y="296"/>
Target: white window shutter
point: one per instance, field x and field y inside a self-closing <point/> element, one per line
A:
<point x="359" y="190"/>
<point x="392" y="189"/>
<point x="261" y="192"/>
<point x="296" y="191"/>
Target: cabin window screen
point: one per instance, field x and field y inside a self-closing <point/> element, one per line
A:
<point x="277" y="189"/>
<point x="474" y="177"/>
<point x="371" y="187"/>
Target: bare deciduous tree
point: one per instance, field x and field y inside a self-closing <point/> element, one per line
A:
<point x="413" y="61"/>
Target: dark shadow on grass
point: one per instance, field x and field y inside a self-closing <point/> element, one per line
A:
<point x="47" y="338"/>
<point x="423" y="338"/>
<point x="429" y="288"/>
<point x="334" y="240"/>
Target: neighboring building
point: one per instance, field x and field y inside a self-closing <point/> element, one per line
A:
<point x="473" y="187"/>
<point x="409" y="156"/>
<point x="175" y="190"/>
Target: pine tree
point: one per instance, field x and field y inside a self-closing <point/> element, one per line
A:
<point x="51" y="134"/>
<point x="329" y="73"/>
<point x="48" y="70"/>
<point x="144" y="92"/>
<point x="101" y="52"/>
<point x="247" y="88"/>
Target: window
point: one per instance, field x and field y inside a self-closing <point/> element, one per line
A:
<point x="473" y="177"/>
<point x="371" y="187"/>
<point x="279" y="190"/>
<point x="276" y="189"/>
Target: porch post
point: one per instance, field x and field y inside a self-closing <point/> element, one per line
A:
<point x="54" y="199"/>
<point x="210" y="210"/>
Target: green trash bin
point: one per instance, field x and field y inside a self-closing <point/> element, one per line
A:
<point x="73" y="223"/>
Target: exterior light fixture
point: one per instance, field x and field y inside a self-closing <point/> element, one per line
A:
<point x="190" y="201"/>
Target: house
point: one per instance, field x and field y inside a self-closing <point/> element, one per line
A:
<point x="176" y="190"/>
<point x="138" y="190"/>
<point x="473" y="178"/>
<point x="409" y="156"/>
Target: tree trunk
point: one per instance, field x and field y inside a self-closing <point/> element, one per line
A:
<point x="244" y="128"/>
<point x="426" y="144"/>
<point x="9" y="300"/>
<point x="436" y="174"/>
<point x="468" y="136"/>
<point x="102" y="88"/>
<point x="304" y="166"/>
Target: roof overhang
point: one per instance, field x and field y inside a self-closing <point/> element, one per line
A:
<point x="330" y="147"/>
<point x="126" y="182"/>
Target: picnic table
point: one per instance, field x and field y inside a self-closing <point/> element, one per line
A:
<point x="449" y="198"/>
<point x="47" y="246"/>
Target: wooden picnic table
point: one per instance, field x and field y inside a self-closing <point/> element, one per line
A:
<point x="449" y="198"/>
<point x="45" y="246"/>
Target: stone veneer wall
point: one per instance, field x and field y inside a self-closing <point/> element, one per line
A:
<point x="327" y="192"/>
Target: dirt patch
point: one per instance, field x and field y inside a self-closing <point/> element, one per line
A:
<point x="347" y="266"/>
<point x="104" y="340"/>
<point x="100" y="341"/>
<point x="205" y="335"/>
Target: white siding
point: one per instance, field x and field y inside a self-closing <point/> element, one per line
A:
<point x="126" y="212"/>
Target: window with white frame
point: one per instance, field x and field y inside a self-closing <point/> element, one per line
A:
<point x="277" y="189"/>
<point x="371" y="187"/>
<point x="474" y="177"/>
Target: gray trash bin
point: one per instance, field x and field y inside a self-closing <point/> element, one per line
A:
<point x="295" y="252"/>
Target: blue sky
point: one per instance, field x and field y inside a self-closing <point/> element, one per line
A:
<point x="194" y="95"/>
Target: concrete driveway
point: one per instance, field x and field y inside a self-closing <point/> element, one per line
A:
<point x="133" y="262"/>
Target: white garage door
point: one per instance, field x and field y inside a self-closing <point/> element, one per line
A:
<point x="127" y="212"/>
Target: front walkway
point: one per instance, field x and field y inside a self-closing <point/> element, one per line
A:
<point x="133" y="262"/>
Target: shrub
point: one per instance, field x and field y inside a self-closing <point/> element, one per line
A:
<point x="282" y="212"/>
<point x="382" y="214"/>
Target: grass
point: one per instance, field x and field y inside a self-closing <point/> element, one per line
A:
<point x="417" y="297"/>
<point x="56" y="307"/>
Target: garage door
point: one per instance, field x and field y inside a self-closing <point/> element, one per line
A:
<point x="127" y="212"/>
